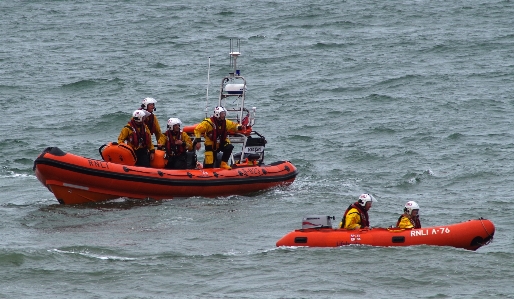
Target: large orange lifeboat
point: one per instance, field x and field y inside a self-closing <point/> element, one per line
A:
<point x="317" y="231"/>
<point x="75" y="179"/>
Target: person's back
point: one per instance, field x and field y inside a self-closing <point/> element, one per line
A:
<point x="356" y="215"/>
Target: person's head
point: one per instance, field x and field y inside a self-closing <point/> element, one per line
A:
<point x="411" y="208"/>
<point x="366" y="200"/>
<point x="149" y="104"/>
<point x="220" y="113"/>
<point x="174" y="124"/>
<point x="138" y="116"/>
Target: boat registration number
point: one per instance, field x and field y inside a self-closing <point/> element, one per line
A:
<point x="427" y="232"/>
<point x="251" y="171"/>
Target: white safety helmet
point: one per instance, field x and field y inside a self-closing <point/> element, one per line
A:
<point x="410" y="206"/>
<point x="147" y="101"/>
<point x="139" y="115"/>
<point x="173" y="121"/>
<point x="364" y="198"/>
<point x="218" y="110"/>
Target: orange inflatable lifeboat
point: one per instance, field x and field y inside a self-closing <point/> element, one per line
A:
<point x="75" y="179"/>
<point x="317" y="231"/>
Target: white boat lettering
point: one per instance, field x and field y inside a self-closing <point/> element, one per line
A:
<point x="354" y="238"/>
<point x="426" y="232"/>
<point x="99" y="164"/>
<point x="419" y="232"/>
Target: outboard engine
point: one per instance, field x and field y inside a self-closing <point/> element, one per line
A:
<point x="317" y="221"/>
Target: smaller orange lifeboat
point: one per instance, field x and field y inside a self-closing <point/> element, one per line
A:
<point x="317" y="231"/>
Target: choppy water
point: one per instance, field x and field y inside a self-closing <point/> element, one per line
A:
<point x="407" y="100"/>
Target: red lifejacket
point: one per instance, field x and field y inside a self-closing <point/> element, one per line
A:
<point x="171" y="148"/>
<point x="219" y="130"/>
<point x="139" y="138"/>
<point x="363" y="213"/>
<point x="149" y="121"/>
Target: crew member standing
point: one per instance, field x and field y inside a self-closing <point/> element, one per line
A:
<point x="137" y="135"/>
<point x="215" y="132"/>
<point x="151" y="121"/>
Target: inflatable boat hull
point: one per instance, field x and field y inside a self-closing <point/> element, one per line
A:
<point x="469" y="235"/>
<point x="75" y="180"/>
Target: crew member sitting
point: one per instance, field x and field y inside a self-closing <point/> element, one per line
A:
<point x="176" y="145"/>
<point x="356" y="215"/>
<point x="410" y="216"/>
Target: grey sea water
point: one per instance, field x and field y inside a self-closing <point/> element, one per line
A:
<point x="407" y="100"/>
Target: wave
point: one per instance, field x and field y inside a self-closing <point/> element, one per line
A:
<point x="95" y="253"/>
<point x="90" y="83"/>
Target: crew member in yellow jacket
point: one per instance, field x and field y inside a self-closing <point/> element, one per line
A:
<point x="148" y="105"/>
<point x="410" y="216"/>
<point x="137" y="135"/>
<point x="176" y="144"/>
<point x="215" y="132"/>
<point x="356" y="215"/>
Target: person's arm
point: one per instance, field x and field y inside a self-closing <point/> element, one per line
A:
<point x="162" y="142"/>
<point x="123" y="135"/>
<point x="158" y="133"/>
<point x="187" y="141"/>
<point x="233" y="126"/>
<point x="200" y="129"/>
<point x="150" y="145"/>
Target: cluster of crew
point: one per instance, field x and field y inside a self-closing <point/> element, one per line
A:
<point x="356" y="215"/>
<point x="177" y="144"/>
<point x="178" y="147"/>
